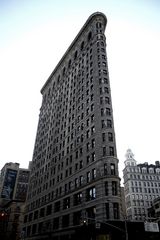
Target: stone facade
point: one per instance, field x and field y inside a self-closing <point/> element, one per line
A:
<point x="142" y="186"/>
<point x="74" y="173"/>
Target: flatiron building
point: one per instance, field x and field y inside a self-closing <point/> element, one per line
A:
<point x="74" y="172"/>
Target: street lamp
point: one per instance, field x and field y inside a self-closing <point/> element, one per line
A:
<point x="126" y="230"/>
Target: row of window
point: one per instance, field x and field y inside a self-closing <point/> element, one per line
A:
<point x="143" y="170"/>
<point x="64" y="71"/>
<point x="149" y="184"/>
<point x="65" y="220"/>
<point x="71" y="185"/>
<point x="107" y="123"/>
<point x="107" y="151"/>
<point x="90" y="176"/>
<point x="143" y="177"/>
<point x="108" y="98"/>
<point x="77" y="199"/>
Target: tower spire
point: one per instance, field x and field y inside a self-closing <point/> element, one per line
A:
<point x="129" y="158"/>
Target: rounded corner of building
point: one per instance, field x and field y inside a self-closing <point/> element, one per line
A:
<point x="96" y="14"/>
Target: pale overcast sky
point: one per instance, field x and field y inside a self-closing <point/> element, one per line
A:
<point x="34" y="36"/>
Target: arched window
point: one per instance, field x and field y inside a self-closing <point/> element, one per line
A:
<point x="158" y="170"/>
<point x="144" y="170"/>
<point x="151" y="170"/>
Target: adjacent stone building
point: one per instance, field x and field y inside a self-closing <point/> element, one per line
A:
<point x="13" y="191"/>
<point x="154" y="210"/>
<point x="142" y="186"/>
<point x="74" y="174"/>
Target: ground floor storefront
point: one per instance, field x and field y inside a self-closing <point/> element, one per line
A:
<point x="113" y="230"/>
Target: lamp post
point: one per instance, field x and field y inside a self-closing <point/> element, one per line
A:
<point x="126" y="230"/>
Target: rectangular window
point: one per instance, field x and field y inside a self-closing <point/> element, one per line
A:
<point x="88" y="177"/>
<point x="77" y="218"/>
<point x="93" y="157"/>
<point x="109" y="123"/>
<point x="105" y="80"/>
<point x="101" y="100"/>
<point x="103" y="137"/>
<point x="77" y="198"/>
<point x="55" y="223"/>
<point x="81" y="164"/>
<point x="76" y="182"/>
<point x="76" y="166"/>
<point x="107" y="210"/>
<point x="49" y="210"/>
<point x="81" y="151"/>
<point x="110" y="137"/>
<point x="105" y="169"/>
<point x="66" y="203"/>
<point x="65" y="220"/>
<point x="34" y="228"/>
<point x="104" y="151"/>
<point x="88" y="159"/>
<point x="107" y="100"/>
<point x="91" y="194"/>
<point x="93" y="130"/>
<point x="88" y="146"/>
<point x="76" y="154"/>
<point x="40" y="227"/>
<point x="80" y="180"/>
<point x="87" y="134"/>
<point x="93" y="173"/>
<point x="106" y="188"/>
<point x="42" y="212"/>
<point x="92" y="118"/>
<point x="114" y="188"/>
<point x="36" y="214"/>
<point x="93" y="143"/>
<point x="87" y="122"/>
<point x="92" y="107"/>
<point x="116" y="210"/>
<point x="113" y="170"/>
<point x="57" y="206"/>
<point x="102" y="111"/>
<point x="111" y="151"/>
<point x="108" y="111"/>
<point x="103" y="124"/>
<point x="106" y="90"/>
<point x="65" y="188"/>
